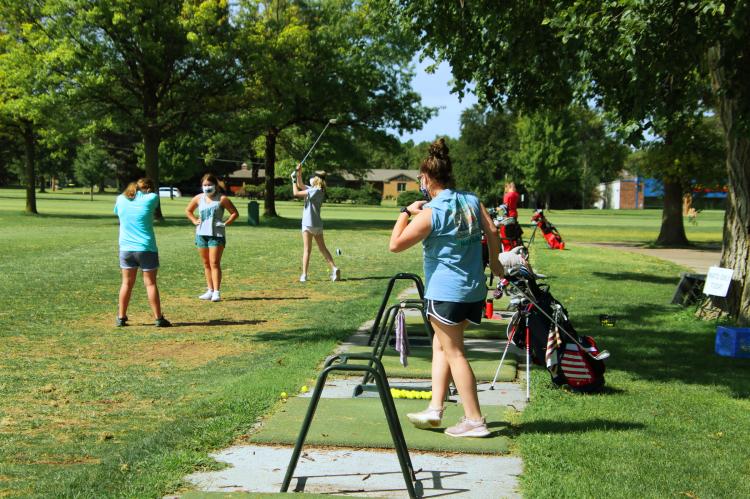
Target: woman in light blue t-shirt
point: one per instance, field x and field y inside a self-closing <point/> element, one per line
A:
<point x="450" y="228"/>
<point x="312" y="224"/>
<point x="135" y="208"/>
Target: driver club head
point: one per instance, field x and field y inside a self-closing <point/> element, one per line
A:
<point x="332" y="121"/>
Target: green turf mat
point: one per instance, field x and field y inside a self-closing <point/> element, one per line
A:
<point x="488" y="329"/>
<point x="420" y="358"/>
<point x="361" y="423"/>
<point x="251" y="495"/>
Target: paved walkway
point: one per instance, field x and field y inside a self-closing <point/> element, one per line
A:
<point x="698" y="260"/>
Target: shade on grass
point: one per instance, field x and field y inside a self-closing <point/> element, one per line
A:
<point x="361" y="423"/>
<point x="484" y="364"/>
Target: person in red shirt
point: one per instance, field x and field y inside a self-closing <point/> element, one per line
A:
<point x="510" y="199"/>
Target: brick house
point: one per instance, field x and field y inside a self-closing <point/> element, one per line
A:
<point x="625" y="193"/>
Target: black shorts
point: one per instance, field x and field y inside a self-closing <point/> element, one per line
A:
<point x="454" y="313"/>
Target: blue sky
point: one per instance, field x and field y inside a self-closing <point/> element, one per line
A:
<point x="435" y="91"/>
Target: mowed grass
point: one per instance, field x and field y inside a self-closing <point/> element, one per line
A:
<point x="89" y="410"/>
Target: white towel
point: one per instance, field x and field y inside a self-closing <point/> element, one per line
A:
<point x="402" y="340"/>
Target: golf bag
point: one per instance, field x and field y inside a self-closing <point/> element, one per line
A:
<point x="549" y="231"/>
<point x="511" y="234"/>
<point x="553" y="341"/>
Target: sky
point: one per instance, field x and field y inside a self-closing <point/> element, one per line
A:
<point x="435" y="91"/>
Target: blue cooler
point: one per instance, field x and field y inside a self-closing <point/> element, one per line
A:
<point x="733" y="342"/>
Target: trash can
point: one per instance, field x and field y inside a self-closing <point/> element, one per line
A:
<point x="253" y="217"/>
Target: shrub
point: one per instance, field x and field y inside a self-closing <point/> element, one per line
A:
<point x="408" y="197"/>
<point x="256" y="191"/>
<point x="284" y="192"/>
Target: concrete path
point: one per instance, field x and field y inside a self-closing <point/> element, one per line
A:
<point x="698" y="260"/>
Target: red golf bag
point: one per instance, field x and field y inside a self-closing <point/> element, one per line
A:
<point x="549" y="231"/>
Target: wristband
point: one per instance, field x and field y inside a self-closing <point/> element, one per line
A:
<point x="406" y="210"/>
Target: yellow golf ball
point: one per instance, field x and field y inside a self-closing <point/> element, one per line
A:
<point x="283" y="395"/>
<point x="410" y="394"/>
<point x="304" y="389"/>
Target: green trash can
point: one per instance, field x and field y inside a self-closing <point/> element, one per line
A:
<point x="253" y="217"/>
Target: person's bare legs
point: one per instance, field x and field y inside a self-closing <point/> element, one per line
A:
<point x="152" y="291"/>
<point x="306" y="246"/>
<point x="451" y="340"/>
<point x="126" y="290"/>
<point x="324" y="250"/>
<point x="214" y="257"/>
<point x="203" y="252"/>
<point x="441" y="373"/>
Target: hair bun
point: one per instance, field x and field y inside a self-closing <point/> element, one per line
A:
<point x="438" y="149"/>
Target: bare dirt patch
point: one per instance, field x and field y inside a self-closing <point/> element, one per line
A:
<point x="185" y="353"/>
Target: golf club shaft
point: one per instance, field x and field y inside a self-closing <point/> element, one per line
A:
<point x="601" y="356"/>
<point x="315" y="143"/>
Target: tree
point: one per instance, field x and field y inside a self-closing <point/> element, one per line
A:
<point x="547" y="156"/>
<point x="92" y="166"/>
<point x="149" y="66"/>
<point x="645" y="61"/>
<point x="28" y="87"/>
<point x="307" y="62"/>
<point x="484" y="151"/>
<point x="694" y="155"/>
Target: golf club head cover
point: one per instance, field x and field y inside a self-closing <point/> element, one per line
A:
<point x="513" y="259"/>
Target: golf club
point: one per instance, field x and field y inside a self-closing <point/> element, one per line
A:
<point x="604" y="354"/>
<point x="332" y="121"/>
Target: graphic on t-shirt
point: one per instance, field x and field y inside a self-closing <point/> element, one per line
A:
<point x="467" y="224"/>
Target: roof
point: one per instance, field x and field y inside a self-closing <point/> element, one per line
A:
<point x="372" y="175"/>
<point x="382" y="175"/>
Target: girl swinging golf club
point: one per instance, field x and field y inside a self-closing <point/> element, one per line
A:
<point x="312" y="225"/>
<point x="210" y="231"/>
<point x="449" y="227"/>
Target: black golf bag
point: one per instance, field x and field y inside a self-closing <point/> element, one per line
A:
<point x="553" y="341"/>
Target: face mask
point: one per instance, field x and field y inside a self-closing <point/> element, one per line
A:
<point x="208" y="189"/>
<point x="424" y="192"/>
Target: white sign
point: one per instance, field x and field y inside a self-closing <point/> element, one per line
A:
<point x="718" y="281"/>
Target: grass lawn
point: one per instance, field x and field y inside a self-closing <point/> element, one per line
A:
<point x="88" y="410"/>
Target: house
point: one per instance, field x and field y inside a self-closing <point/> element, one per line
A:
<point x="390" y="183"/>
<point x="625" y="193"/>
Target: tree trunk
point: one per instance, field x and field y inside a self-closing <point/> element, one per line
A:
<point x="41" y="184"/>
<point x="91" y="193"/>
<point x="29" y="142"/>
<point x="269" y="204"/>
<point x="672" y="231"/>
<point x="736" y="238"/>
<point x="151" y="140"/>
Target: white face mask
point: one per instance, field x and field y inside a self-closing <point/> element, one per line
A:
<point x="208" y="189"/>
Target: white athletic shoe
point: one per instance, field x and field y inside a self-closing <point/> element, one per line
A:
<point x="303" y="278"/>
<point x="429" y="418"/>
<point x="207" y="295"/>
<point x="336" y="274"/>
<point x="468" y="428"/>
<point x="216" y="296"/>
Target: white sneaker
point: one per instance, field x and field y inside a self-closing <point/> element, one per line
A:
<point x="429" y="418"/>
<point x="303" y="278"/>
<point x="468" y="428"/>
<point x="207" y="295"/>
<point x="216" y="296"/>
<point x="336" y="274"/>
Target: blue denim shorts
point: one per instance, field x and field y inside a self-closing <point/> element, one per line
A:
<point x="209" y="241"/>
<point x="146" y="260"/>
